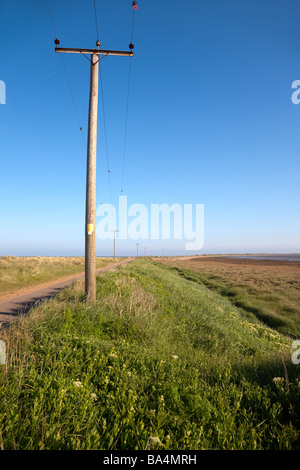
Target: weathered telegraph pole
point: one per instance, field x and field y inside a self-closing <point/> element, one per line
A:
<point x="90" y="213"/>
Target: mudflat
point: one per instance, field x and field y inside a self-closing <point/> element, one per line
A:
<point x="246" y="261"/>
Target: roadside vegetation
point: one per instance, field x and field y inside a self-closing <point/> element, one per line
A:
<point x="20" y="272"/>
<point x="268" y="290"/>
<point x="160" y="362"/>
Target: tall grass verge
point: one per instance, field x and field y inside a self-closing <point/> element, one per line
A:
<point x="158" y="363"/>
<point x="20" y="272"/>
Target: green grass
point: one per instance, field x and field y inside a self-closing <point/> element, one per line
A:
<point x="273" y="297"/>
<point x="160" y="362"/>
<point x="20" y="272"/>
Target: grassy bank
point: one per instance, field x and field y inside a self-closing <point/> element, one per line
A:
<point x="20" y="272"/>
<point x="268" y="290"/>
<point x="160" y="362"/>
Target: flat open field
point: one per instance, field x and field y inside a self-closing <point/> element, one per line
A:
<point x="266" y="289"/>
<point x="18" y="273"/>
<point x="159" y="362"/>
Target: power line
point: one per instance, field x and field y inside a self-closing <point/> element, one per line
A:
<point x="105" y="133"/>
<point x="67" y="78"/>
<point x="96" y="21"/>
<point x="104" y="53"/>
<point x="127" y="104"/>
<point x="73" y="100"/>
<point x="133" y="14"/>
<point x="50" y="18"/>
<point x="126" y="125"/>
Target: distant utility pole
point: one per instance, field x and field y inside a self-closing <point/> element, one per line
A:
<point x="137" y="249"/>
<point x="145" y="251"/>
<point x="114" y="242"/>
<point x="90" y="213"/>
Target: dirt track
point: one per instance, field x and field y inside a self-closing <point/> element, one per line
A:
<point x="13" y="305"/>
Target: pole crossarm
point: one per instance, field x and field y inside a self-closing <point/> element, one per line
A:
<point x="93" y="51"/>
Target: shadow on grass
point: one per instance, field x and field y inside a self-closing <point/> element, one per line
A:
<point x="271" y="321"/>
<point x="264" y="372"/>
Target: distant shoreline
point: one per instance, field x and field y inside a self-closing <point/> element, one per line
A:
<point x="258" y="256"/>
<point x="274" y="257"/>
<point x="293" y="257"/>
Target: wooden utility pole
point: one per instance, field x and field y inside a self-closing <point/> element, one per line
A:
<point x="137" y="249"/>
<point x="90" y="208"/>
<point x="114" y="242"/>
<point x="90" y="214"/>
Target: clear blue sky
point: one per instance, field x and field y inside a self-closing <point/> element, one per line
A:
<point x="210" y="120"/>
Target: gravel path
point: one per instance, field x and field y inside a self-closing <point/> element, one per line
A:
<point x="12" y="306"/>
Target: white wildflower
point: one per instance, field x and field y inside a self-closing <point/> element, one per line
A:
<point x="154" y="440"/>
<point x="77" y="383"/>
<point x="278" y="380"/>
<point x="94" y="396"/>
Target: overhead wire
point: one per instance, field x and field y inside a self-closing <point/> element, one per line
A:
<point x="67" y="78"/>
<point x="133" y="14"/>
<point x="102" y="97"/>
<point x="96" y="20"/>
<point x="127" y="107"/>
<point x="73" y="100"/>
<point x="126" y="125"/>
<point x="105" y="133"/>
<point x="51" y="20"/>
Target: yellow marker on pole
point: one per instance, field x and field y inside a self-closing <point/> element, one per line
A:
<point x="90" y="229"/>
